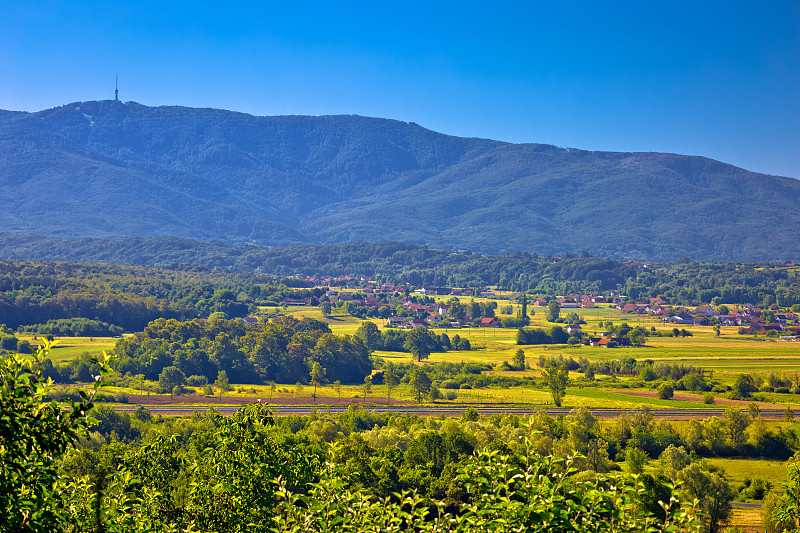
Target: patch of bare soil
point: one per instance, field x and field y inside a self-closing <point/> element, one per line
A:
<point x="144" y="399"/>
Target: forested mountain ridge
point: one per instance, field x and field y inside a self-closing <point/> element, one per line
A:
<point x="113" y="169"/>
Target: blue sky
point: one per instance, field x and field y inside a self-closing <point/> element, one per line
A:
<point x="714" y="78"/>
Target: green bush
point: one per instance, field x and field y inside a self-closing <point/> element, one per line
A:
<point x="121" y="397"/>
<point x="197" y="381"/>
<point x="665" y="391"/>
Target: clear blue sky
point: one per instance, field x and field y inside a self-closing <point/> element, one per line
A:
<point x="713" y="78"/>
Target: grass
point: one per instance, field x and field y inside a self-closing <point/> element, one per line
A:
<point x="737" y="470"/>
<point x="604" y="398"/>
<point x="69" y="348"/>
<point x="727" y="355"/>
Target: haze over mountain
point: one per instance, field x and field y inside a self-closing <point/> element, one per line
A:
<point x="108" y="169"/>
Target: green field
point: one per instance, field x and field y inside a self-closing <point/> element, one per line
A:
<point x="727" y="356"/>
<point x="738" y="470"/>
<point x="67" y="348"/>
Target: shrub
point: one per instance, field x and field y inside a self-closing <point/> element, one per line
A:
<point x="9" y="342"/>
<point x="197" y="381"/>
<point x="121" y="397"/>
<point x="450" y="395"/>
<point x="636" y="460"/>
<point x="434" y="394"/>
<point x="708" y="398"/>
<point x="665" y="391"/>
<point x="103" y="397"/>
<point x="470" y="415"/>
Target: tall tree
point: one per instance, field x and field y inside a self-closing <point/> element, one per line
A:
<point x="367" y="386"/>
<point x="556" y="378"/>
<point x="34" y="435"/>
<point x="317" y="376"/>
<point x="337" y="386"/>
<point x="523" y="310"/>
<point x="712" y="491"/>
<point x="552" y="311"/>
<point x="420" y="382"/>
<point x="170" y="378"/>
<point x="222" y="382"/>
<point x="370" y="334"/>
<point x="519" y="359"/>
<point x="420" y="343"/>
<point x="737" y="421"/>
<point x="391" y="379"/>
<point x="325" y="307"/>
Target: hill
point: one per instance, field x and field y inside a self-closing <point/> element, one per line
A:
<point x="112" y="169"/>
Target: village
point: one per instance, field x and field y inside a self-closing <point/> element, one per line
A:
<point x="405" y="306"/>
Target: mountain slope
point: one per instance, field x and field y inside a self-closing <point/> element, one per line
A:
<point x="108" y="169"/>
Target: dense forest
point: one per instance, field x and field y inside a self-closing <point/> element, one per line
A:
<point x="35" y="293"/>
<point x="281" y="350"/>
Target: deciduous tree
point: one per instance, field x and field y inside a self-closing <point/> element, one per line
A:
<point x="420" y="343"/>
<point x="390" y="379"/>
<point x="556" y="378"/>
<point x="420" y="383"/>
<point x="552" y="311"/>
<point x="170" y="378"/>
<point x="317" y="376"/>
<point x="370" y="334"/>
<point x="519" y="359"/>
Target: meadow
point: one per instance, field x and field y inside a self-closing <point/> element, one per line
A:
<point x="725" y="356"/>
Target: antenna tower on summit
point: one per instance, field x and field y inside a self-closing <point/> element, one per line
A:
<point x="116" y="88"/>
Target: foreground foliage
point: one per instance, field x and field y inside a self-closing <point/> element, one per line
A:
<point x="33" y="434"/>
<point x="237" y="477"/>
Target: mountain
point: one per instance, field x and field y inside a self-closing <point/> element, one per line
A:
<point x="111" y="169"/>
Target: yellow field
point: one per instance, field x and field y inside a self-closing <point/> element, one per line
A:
<point x="68" y="348"/>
